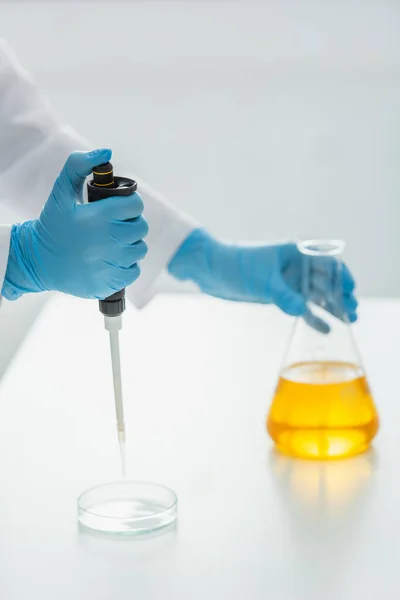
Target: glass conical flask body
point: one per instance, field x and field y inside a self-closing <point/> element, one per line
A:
<point x="322" y="407"/>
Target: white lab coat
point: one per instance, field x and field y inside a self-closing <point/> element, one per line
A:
<point x="33" y="148"/>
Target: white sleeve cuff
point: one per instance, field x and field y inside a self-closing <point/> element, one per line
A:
<point x="5" y="233"/>
<point x="168" y="228"/>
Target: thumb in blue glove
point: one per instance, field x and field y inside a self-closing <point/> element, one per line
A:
<point x="87" y="250"/>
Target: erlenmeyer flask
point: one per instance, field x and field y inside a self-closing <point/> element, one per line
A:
<point x="322" y="406"/>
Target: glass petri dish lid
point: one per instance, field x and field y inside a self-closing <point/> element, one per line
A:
<point x="127" y="508"/>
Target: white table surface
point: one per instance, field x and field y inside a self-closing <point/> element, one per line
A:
<point x="198" y="378"/>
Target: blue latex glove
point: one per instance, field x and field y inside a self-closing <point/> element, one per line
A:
<point x="87" y="250"/>
<point x="264" y="274"/>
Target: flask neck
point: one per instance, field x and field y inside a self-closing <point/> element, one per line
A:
<point x="322" y="271"/>
<point x="322" y="247"/>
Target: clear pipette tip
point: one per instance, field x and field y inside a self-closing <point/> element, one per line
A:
<point x="113" y="326"/>
<point x="122" y="449"/>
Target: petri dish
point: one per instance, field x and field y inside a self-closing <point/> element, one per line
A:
<point x="127" y="508"/>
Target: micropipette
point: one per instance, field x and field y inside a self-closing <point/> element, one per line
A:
<point x="103" y="185"/>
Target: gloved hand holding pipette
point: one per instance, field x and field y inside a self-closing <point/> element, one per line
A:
<point x="264" y="274"/>
<point x="87" y="250"/>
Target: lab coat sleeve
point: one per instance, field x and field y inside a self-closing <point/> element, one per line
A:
<point x="168" y="228"/>
<point x="33" y="148"/>
<point x="5" y="232"/>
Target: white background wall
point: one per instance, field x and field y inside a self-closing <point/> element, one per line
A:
<point x="263" y="120"/>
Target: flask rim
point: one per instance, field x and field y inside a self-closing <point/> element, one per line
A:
<point x="321" y="247"/>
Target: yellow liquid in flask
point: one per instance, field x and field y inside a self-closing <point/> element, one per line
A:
<point x="322" y="410"/>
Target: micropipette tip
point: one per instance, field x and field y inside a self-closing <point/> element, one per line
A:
<point x="122" y="449"/>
